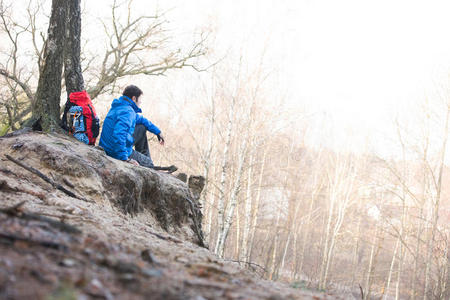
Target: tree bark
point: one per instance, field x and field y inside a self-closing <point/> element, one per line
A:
<point x="46" y="109"/>
<point x="72" y="48"/>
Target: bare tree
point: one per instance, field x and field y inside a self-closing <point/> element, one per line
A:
<point x="341" y="181"/>
<point x="18" y="93"/>
<point x="46" y="108"/>
<point x="139" y="45"/>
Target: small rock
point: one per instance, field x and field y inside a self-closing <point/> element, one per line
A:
<point x="96" y="285"/>
<point x="181" y="259"/>
<point x="152" y="272"/>
<point x="17" y="145"/>
<point x="6" y="262"/>
<point x="196" y="185"/>
<point x="148" y="256"/>
<point x="96" y="289"/>
<point x="48" y="278"/>
<point x="67" y="262"/>
<point x="182" y="177"/>
<point x="126" y="267"/>
<point x="127" y="277"/>
<point x="88" y="251"/>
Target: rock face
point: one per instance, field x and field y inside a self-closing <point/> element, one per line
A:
<point x="135" y="235"/>
<point x="166" y="201"/>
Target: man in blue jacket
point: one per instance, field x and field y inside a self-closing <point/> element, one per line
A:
<point x="124" y="127"/>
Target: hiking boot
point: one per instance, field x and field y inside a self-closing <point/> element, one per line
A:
<point x="169" y="169"/>
<point x="172" y="169"/>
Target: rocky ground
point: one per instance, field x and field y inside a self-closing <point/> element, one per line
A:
<point x="125" y="232"/>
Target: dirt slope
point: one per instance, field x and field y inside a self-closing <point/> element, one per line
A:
<point x="130" y="233"/>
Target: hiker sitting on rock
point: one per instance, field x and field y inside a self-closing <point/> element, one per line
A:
<point x="124" y="127"/>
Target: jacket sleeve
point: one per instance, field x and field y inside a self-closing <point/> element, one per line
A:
<point x="120" y="134"/>
<point x="149" y="125"/>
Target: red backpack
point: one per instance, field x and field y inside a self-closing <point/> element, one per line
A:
<point x="71" y="121"/>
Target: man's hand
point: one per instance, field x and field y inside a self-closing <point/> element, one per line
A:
<point x="132" y="161"/>
<point x="160" y="139"/>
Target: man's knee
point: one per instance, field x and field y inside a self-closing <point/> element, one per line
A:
<point x="140" y="133"/>
<point x="140" y="129"/>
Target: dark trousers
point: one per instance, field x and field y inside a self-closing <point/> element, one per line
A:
<point x="141" y="152"/>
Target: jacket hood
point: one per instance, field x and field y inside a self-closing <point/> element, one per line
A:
<point x="124" y="100"/>
<point x="80" y="97"/>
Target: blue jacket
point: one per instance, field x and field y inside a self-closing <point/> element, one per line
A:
<point x="118" y="127"/>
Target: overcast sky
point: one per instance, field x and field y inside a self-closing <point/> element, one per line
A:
<point x="359" y="62"/>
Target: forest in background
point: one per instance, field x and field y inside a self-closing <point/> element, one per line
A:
<point x="277" y="196"/>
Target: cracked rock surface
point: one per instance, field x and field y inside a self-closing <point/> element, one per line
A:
<point x="134" y="239"/>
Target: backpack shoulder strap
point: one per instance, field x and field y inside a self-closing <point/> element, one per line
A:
<point x="67" y="106"/>
<point x="92" y="111"/>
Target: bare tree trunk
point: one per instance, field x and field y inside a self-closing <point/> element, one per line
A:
<point x="295" y="254"/>
<point x="372" y="262"/>
<point x="275" y="246"/>
<point x="402" y="249"/>
<point x="238" y="230"/>
<point x="444" y="278"/>
<point x="223" y="176"/>
<point x="211" y="203"/>
<point x="256" y="206"/>
<point x="357" y="241"/>
<point x="325" y="257"/>
<point x="391" y="271"/>
<point x="286" y="247"/>
<point x="435" y="207"/>
<point x="399" y="272"/>
<point x="207" y="163"/>
<point x="46" y="108"/>
<point x="233" y="200"/>
<point x="72" y="48"/>
<point x="339" y="187"/>
<point x="305" y="240"/>
<point x="290" y="220"/>
<point x="247" y="209"/>
<point x="207" y="157"/>
<point x="341" y="214"/>
<point x="417" y="252"/>
<point x="292" y="230"/>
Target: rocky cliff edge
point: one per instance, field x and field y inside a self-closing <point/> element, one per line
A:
<point x="76" y="224"/>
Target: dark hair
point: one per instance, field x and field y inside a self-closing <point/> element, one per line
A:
<point x="131" y="91"/>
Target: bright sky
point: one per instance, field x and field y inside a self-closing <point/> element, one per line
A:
<point x="358" y="62"/>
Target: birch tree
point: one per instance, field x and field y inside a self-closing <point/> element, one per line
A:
<point x="220" y="243"/>
<point x="340" y="184"/>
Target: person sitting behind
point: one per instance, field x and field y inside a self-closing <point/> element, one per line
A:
<point x="124" y="127"/>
